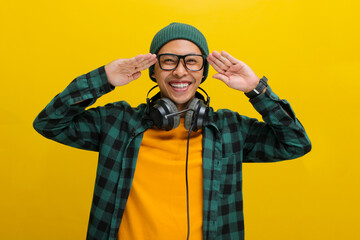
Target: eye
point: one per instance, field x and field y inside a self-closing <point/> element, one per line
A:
<point x="169" y="60"/>
<point x="191" y="60"/>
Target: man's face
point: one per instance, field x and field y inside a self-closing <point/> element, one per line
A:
<point x="179" y="84"/>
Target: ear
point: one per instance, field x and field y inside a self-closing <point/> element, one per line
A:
<point x="153" y="71"/>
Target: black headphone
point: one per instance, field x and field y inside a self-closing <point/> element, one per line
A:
<point x="165" y="114"/>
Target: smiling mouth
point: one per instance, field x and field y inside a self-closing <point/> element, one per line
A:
<point x="179" y="85"/>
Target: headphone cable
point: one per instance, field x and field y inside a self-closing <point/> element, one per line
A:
<point x="193" y="121"/>
<point x="187" y="185"/>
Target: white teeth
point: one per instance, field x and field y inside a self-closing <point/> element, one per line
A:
<point x="179" y="85"/>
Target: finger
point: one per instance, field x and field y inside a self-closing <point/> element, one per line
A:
<point x="146" y="64"/>
<point x="229" y="57"/>
<point x="139" y="59"/>
<point x="142" y="62"/>
<point x="217" y="61"/>
<point x="221" y="58"/>
<point x="214" y="65"/>
<point x="148" y="58"/>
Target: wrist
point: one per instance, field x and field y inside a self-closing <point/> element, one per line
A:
<point x="253" y="85"/>
<point x="259" y="89"/>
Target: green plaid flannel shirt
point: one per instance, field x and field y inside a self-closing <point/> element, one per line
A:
<point x="116" y="131"/>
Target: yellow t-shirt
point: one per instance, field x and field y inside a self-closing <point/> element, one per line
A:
<point x="156" y="208"/>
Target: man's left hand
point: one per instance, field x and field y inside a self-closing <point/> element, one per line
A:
<point x="233" y="72"/>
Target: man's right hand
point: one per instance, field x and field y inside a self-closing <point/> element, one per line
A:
<point x="124" y="70"/>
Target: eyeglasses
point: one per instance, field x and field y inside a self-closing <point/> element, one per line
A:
<point x="192" y="62"/>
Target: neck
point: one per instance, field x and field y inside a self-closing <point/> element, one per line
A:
<point x="181" y="107"/>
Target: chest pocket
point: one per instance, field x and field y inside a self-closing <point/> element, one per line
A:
<point x="231" y="176"/>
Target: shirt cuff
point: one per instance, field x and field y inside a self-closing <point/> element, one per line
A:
<point x="98" y="82"/>
<point x="88" y="86"/>
<point x="268" y="102"/>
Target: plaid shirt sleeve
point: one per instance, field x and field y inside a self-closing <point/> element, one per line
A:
<point x="65" y="120"/>
<point x="231" y="139"/>
<point x="281" y="137"/>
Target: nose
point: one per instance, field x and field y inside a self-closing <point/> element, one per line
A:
<point x="181" y="69"/>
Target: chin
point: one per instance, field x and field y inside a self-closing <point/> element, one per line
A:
<point x="181" y="101"/>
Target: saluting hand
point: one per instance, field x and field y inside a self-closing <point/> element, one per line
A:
<point x="124" y="70"/>
<point x="234" y="73"/>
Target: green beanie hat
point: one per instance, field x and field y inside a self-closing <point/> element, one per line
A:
<point x="179" y="31"/>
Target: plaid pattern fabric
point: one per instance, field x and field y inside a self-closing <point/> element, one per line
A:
<point x="116" y="131"/>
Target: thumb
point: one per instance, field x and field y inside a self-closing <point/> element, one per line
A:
<point x="135" y="76"/>
<point x="222" y="77"/>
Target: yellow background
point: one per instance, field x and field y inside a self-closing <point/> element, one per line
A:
<point x="309" y="50"/>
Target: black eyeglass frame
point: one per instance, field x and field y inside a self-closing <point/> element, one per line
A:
<point x="179" y="58"/>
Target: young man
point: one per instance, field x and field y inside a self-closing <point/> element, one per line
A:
<point x="140" y="190"/>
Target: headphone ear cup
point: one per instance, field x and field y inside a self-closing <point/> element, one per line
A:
<point x="160" y="109"/>
<point x="172" y="109"/>
<point x="200" y="111"/>
<point x="189" y="114"/>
